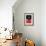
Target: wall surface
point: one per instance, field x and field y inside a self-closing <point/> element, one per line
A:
<point x="29" y="32"/>
<point x="6" y="13"/>
<point x="37" y="32"/>
<point x="43" y="22"/>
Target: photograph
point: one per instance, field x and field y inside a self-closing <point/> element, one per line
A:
<point x="28" y="19"/>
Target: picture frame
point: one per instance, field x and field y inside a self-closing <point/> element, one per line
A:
<point x="28" y="19"/>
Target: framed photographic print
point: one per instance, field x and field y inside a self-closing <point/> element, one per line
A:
<point x="28" y="19"/>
